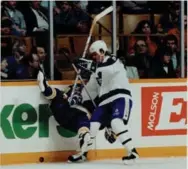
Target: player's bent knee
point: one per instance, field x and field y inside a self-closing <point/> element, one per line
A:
<point x="117" y="125"/>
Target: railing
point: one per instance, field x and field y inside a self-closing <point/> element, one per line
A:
<point x="76" y="44"/>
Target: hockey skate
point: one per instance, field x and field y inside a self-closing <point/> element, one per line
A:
<point x="77" y="158"/>
<point x="82" y="155"/>
<point x="130" y="159"/>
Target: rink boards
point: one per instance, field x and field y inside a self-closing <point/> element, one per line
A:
<point x="29" y="134"/>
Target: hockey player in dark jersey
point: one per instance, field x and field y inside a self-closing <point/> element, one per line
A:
<point x="70" y="114"/>
<point x="73" y="115"/>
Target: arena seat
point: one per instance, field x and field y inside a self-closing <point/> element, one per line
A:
<point x="63" y="41"/>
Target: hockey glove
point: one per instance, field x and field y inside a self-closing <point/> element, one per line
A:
<point x="85" y="64"/>
<point x="110" y="135"/>
<point x="76" y="99"/>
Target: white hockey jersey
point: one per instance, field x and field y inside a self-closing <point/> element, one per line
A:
<point x="109" y="82"/>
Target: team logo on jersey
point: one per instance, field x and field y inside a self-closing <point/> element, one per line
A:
<point x="116" y="112"/>
<point x="164" y="110"/>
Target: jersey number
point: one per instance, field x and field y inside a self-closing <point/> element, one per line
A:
<point x="99" y="78"/>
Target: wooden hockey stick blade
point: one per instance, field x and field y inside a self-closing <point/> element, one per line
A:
<point x="103" y="13"/>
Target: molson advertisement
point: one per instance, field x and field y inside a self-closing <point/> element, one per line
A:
<point x="164" y="110"/>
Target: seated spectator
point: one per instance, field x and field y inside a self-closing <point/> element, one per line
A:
<point x="18" y="23"/>
<point x="17" y="58"/>
<point x="143" y="27"/>
<point x="36" y="17"/>
<point x="162" y="67"/>
<point x="68" y="19"/>
<point x="30" y="69"/>
<point x="41" y="53"/>
<point x="44" y="61"/>
<point x="171" y="43"/>
<point x="4" y="70"/>
<point x="141" y="60"/>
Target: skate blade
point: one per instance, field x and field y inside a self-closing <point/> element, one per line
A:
<point x="129" y="162"/>
<point x="79" y="161"/>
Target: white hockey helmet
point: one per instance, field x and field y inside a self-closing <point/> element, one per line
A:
<point x="97" y="46"/>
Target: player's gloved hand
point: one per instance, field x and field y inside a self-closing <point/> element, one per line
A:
<point x="85" y="64"/>
<point x="76" y="99"/>
<point x="110" y="135"/>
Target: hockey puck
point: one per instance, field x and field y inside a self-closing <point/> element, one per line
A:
<point x="41" y="159"/>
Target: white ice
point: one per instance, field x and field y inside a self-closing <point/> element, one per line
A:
<point x="147" y="163"/>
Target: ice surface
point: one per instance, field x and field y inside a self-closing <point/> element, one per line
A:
<point x="147" y="163"/>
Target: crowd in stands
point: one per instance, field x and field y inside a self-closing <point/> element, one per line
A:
<point x="149" y="49"/>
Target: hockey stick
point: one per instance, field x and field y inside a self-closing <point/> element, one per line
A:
<point x="77" y="78"/>
<point x="96" y="19"/>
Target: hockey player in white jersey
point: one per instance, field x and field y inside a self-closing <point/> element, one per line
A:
<point x="109" y="81"/>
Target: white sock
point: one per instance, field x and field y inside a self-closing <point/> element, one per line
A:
<point x="121" y="130"/>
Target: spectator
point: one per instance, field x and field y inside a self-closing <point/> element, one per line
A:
<point x="17" y="58"/>
<point x="36" y="17"/>
<point x="162" y="67"/>
<point x="41" y="53"/>
<point x="143" y="27"/>
<point x="44" y="62"/>
<point x="18" y="23"/>
<point x="4" y="70"/>
<point x="30" y="69"/>
<point x="141" y="60"/>
<point x="171" y="43"/>
<point x="68" y="19"/>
